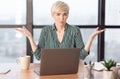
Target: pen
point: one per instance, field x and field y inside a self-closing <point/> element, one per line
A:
<point x="7" y="71"/>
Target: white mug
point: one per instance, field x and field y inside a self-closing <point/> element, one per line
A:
<point x="24" y="61"/>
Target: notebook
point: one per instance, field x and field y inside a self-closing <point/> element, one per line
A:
<point x="59" y="61"/>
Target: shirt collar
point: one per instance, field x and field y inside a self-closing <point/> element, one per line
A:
<point x="54" y="27"/>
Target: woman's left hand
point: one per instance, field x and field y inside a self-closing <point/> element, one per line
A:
<point x="97" y="31"/>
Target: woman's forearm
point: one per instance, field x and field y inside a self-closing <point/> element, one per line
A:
<point x="26" y="32"/>
<point x="89" y="43"/>
<point x="33" y="44"/>
<point x="91" y="38"/>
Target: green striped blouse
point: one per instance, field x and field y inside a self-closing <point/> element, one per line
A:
<point x="72" y="39"/>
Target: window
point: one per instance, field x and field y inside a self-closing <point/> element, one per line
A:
<point x="112" y="12"/>
<point x="112" y="20"/>
<point x="78" y="15"/>
<point x="12" y="45"/>
<point x="87" y="14"/>
<point x="112" y="44"/>
<point x="12" y="12"/>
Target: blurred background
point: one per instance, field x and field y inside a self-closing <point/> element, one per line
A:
<point x="35" y="14"/>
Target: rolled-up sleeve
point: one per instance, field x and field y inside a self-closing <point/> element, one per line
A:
<point x="40" y="45"/>
<point x="79" y="44"/>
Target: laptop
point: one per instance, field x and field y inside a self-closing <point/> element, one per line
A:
<point x="59" y="61"/>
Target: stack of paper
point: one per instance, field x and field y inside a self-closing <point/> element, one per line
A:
<point x="98" y="66"/>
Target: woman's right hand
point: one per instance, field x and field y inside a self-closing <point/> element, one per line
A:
<point x="24" y="31"/>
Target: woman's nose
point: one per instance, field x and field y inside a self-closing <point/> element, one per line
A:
<point x="62" y="17"/>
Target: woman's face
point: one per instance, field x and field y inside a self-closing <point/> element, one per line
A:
<point x="60" y="17"/>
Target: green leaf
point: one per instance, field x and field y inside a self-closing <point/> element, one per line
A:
<point x="108" y="64"/>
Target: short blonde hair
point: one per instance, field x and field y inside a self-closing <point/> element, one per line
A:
<point x="59" y="6"/>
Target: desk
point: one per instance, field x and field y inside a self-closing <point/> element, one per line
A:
<point x="16" y="73"/>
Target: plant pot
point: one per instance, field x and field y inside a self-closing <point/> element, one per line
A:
<point x="108" y="75"/>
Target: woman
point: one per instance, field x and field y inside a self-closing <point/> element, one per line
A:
<point x="60" y="34"/>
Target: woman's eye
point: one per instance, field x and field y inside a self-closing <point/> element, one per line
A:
<point x="65" y="14"/>
<point x="58" y="14"/>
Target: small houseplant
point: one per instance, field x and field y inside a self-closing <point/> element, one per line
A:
<point x="108" y="73"/>
<point x="109" y="64"/>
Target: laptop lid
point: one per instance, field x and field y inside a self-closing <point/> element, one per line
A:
<point x="59" y="61"/>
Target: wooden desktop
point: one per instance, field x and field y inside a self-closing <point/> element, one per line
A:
<point x="17" y="73"/>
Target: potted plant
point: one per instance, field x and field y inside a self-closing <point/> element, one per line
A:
<point x="108" y="74"/>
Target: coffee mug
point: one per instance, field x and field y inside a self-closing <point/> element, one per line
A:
<point x="24" y="61"/>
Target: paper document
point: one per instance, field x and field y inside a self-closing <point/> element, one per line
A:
<point x="98" y="66"/>
<point x="4" y="69"/>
